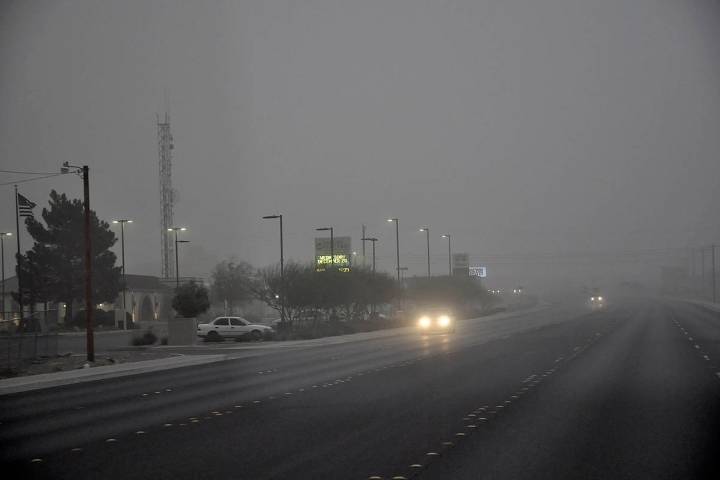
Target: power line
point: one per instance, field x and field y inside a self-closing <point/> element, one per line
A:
<point x="26" y="173"/>
<point x="15" y="182"/>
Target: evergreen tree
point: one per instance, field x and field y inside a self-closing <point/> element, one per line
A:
<point x="54" y="268"/>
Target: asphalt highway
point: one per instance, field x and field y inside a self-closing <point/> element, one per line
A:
<point x="632" y="391"/>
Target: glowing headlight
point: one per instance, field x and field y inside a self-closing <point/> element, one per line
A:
<point x="592" y="299"/>
<point x="444" y="321"/>
<point x="600" y="298"/>
<point x="424" y="322"/>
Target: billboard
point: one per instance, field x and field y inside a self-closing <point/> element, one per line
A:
<point x="461" y="264"/>
<point x="341" y="249"/>
<point x="476" y="271"/>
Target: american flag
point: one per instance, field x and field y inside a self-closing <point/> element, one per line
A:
<point x="25" y="206"/>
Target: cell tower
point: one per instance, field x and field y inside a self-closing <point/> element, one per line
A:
<point x="165" y="148"/>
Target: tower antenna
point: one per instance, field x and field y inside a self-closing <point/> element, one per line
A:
<point x="165" y="150"/>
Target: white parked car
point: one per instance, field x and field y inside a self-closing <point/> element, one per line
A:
<point x="233" y="327"/>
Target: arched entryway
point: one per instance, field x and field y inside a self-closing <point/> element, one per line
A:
<point x="147" y="311"/>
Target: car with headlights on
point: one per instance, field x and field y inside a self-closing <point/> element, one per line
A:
<point x="435" y="320"/>
<point x="597" y="302"/>
<point x="233" y="327"/>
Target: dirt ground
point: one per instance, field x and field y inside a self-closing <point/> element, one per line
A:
<point x="77" y="361"/>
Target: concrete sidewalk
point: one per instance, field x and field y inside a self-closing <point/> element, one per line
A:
<point x="47" y="380"/>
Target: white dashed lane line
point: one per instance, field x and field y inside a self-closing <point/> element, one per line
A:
<point x="473" y="423"/>
<point x="696" y="346"/>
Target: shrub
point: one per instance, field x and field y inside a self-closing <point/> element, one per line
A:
<point x="147" y="338"/>
<point x="191" y="299"/>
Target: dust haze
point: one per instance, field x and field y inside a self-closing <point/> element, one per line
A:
<point x="561" y="142"/>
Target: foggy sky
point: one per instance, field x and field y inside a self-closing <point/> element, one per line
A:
<point x="518" y="126"/>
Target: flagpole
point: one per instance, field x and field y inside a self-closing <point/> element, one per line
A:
<point x="17" y="259"/>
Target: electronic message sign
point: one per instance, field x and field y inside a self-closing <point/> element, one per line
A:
<point x="341" y="253"/>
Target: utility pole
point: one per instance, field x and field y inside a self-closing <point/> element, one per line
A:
<point x="89" y="311"/>
<point x="19" y="277"/>
<point x="363" y="243"/>
<point x="403" y="270"/>
<point x="373" y="240"/>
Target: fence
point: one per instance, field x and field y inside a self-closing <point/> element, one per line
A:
<point x="36" y="336"/>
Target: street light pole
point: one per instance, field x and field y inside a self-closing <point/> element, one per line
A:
<point x="177" y="264"/>
<point x="397" y="245"/>
<point x="447" y="235"/>
<point x="122" y="223"/>
<point x="177" y="269"/>
<point x="282" y="269"/>
<point x="427" y="237"/>
<point x="2" y="254"/>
